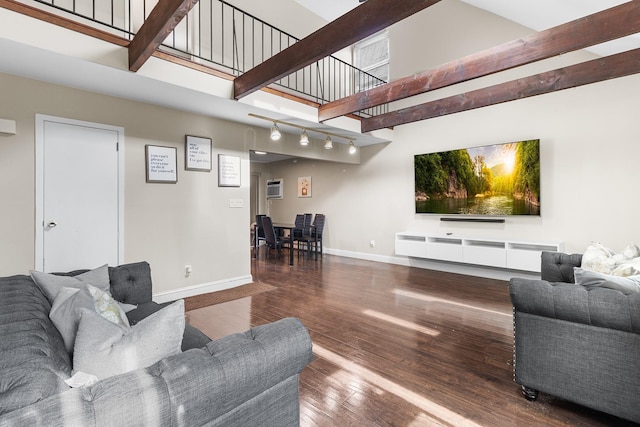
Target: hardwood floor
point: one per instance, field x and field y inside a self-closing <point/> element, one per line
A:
<point x="397" y="346"/>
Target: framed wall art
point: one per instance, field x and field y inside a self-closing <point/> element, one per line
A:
<point x="228" y="171"/>
<point x="197" y="153"/>
<point x="161" y="164"/>
<point x="304" y="186"/>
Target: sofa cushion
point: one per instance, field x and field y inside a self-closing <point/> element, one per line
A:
<point x="131" y="283"/>
<point x="590" y="279"/>
<point x="33" y="359"/>
<point x="52" y="283"/>
<point x="105" y="349"/>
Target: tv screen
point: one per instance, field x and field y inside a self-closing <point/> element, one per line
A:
<point x="494" y="180"/>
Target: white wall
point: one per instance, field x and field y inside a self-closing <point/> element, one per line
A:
<point x="168" y="225"/>
<point x="590" y="145"/>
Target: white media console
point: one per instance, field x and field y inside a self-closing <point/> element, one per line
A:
<point x="502" y="253"/>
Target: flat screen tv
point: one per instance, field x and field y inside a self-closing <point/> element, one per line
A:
<point x="493" y="180"/>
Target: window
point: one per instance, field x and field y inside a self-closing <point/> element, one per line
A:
<point x="372" y="55"/>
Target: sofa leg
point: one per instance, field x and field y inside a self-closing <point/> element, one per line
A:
<point x="529" y="393"/>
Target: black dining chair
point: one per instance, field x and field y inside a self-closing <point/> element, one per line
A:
<point x="271" y="239"/>
<point x="313" y="240"/>
<point x="259" y="232"/>
<point x="298" y="230"/>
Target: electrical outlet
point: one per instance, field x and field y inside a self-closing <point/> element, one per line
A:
<point x="372" y="243"/>
<point x="187" y="270"/>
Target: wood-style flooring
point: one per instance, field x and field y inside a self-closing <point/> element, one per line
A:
<point x="397" y="346"/>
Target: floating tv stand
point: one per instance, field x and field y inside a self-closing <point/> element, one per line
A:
<point x="513" y="254"/>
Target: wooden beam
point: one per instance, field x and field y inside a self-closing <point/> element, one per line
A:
<point x="600" y="27"/>
<point x="161" y="21"/>
<point x="363" y="21"/>
<point x="609" y="67"/>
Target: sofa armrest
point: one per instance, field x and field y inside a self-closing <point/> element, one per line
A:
<point x="602" y="307"/>
<point x="190" y="388"/>
<point x="558" y="267"/>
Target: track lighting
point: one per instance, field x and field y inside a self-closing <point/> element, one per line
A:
<point x="352" y="148"/>
<point x="328" y="143"/>
<point x="304" y="138"/>
<point x="275" y="132"/>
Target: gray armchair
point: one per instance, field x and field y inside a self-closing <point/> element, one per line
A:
<point x="574" y="343"/>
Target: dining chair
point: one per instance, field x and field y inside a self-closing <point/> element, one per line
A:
<point x="258" y="231"/>
<point x="298" y="230"/>
<point x="313" y="239"/>
<point x="271" y="239"/>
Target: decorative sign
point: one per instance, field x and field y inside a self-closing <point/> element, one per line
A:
<point x="228" y="171"/>
<point x="304" y="186"/>
<point x="197" y="153"/>
<point x="161" y="164"/>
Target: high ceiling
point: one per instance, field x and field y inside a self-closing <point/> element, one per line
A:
<point x="536" y="14"/>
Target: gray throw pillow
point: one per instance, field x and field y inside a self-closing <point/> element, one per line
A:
<point x="65" y="313"/>
<point x="590" y="279"/>
<point x="105" y="349"/>
<point x="50" y="284"/>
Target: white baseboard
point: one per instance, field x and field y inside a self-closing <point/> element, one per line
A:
<point x="201" y="289"/>
<point x="450" y="267"/>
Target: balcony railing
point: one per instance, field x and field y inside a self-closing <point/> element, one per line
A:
<point x="219" y="35"/>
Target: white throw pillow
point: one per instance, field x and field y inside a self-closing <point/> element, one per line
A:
<point x="104" y="349"/>
<point x="50" y="284"/>
<point x="591" y="279"/>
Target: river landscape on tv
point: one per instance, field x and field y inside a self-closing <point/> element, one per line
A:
<point x="494" y="180"/>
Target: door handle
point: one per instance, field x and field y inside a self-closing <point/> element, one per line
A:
<point x="52" y="224"/>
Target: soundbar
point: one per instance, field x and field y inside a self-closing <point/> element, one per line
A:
<point x="456" y="219"/>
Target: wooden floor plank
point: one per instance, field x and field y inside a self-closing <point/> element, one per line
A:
<point x="397" y="346"/>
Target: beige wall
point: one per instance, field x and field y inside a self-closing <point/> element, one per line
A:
<point x="168" y="225"/>
<point x="590" y="143"/>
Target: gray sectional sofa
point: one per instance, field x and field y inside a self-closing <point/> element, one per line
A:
<point x="248" y="379"/>
<point x="579" y="343"/>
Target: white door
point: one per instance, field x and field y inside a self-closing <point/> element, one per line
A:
<point x="78" y="194"/>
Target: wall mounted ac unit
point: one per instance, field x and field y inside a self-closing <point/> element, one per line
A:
<point x="275" y="188"/>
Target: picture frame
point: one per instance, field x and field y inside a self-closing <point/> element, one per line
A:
<point x="304" y="186"/>
<point x="161" y="164"/>
<point x="228" y="171"/>
<point x="197" y="153"/>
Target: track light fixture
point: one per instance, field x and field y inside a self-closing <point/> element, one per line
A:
<point x="304" y="138"/>
<point x="275" y="132"/>
<point x="352" y="147"/>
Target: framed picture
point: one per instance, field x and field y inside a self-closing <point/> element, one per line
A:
<point x="304" y="186"/>
<point x="228" y="171"/>
<point x="197" y="153"/>
<point x="161" y="164"/>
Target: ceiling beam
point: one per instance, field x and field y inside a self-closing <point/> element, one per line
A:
<point x="163" y="19"/>
<point x="600" y="27"/>
<point x="609" y="67"/>
<point x="361" y="22"/>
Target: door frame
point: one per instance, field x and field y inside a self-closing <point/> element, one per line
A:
<point x="41" y="119"/>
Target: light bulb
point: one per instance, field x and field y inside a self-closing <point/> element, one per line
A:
<point x="304" y="138"/>
<point x="328" y="143"/>
<point x="275" y="132"/>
